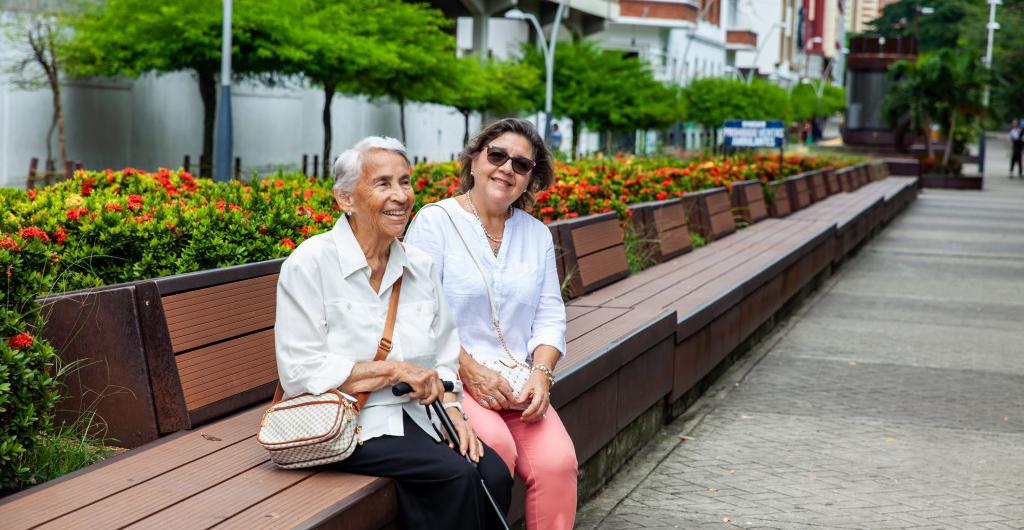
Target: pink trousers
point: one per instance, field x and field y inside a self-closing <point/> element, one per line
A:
<point x="541" y="453"/>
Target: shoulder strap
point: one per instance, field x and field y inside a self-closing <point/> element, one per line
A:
<point x="383" y="347"/>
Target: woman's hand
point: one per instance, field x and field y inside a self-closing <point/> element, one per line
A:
<point x="536" y="392"/>
<point x="426" y="385"/>
<point x="489" y="388"/>
<point x="468" y="442"/>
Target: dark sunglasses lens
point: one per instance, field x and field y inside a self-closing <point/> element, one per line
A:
<point x="521" y="165"/>
<point x="497" y="157"/>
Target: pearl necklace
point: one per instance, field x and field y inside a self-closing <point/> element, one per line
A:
<point x="472" y="208"/>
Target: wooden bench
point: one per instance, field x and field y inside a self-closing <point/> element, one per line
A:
<point x="799" y="192"/>
<point x="710" y="213"/>
<point x="593" y="251"/>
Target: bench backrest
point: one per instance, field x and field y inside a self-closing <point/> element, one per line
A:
<point x="710" y="213"/>
<point x="832" y="184"/>
<point x="818" y="188"/>
<point x="779" y="205"/>
<point x="748" y="201"/>
<point x="593" y="251"/>
<point x="663" y="225"/>
<point x="799" y="192"/>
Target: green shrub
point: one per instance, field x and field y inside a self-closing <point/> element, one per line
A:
<point x="28" y="390"/>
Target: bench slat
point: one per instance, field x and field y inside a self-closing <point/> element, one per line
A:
<point x="595" y="237"/>
<point x="122" y="473"/>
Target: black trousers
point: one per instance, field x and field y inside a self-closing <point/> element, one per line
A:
<point x="437" y="487"/>
<point x="1015" y="158"/>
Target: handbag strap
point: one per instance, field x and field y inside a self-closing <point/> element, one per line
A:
<point x="383" y="346"/>
<point x="486" y="279"/>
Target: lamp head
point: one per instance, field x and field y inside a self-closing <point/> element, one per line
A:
<point x="516" y="14"/>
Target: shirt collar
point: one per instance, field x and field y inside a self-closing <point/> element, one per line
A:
<point x="352" y="259"/>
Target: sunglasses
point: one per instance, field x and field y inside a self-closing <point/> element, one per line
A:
<point x="520" y="164"/>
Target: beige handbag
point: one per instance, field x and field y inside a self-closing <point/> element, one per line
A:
<point x="309" y="430"/>
<point x="516" y="372"/>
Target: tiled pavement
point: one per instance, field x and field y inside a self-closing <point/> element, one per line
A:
<point x="893" y="398"/>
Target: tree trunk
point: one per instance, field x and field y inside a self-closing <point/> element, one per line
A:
<point x="465" y="135"/>
<point x="576" y="129"/>
<point x="401" y="117"/>
<point x="53" y="76"/>
<point x="328" y="97"/>
<point x="208" y="93"/>
<point x="949" y="141"/>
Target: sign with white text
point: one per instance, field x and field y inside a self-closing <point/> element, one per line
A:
<point x="753" y="133"/>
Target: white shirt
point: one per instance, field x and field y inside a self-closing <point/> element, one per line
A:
<point x="523" y="275"/>
<point x="329" y="318"/>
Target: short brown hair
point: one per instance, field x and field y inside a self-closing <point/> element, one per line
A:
<point x="543" y="174"/>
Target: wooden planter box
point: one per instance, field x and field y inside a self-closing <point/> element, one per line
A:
<point x="778" y="205"/>
<point x="816" y="183"/>
<point x="903" y="167"/>
<point x="748" y="201"/>
<point x="847" y="178"/>
<point x="962" y="182"/>
<point x="832" y="185"/>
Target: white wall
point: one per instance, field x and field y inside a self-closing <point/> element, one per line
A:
<point x="759" y="16"/>
<point x="154" y="121"/>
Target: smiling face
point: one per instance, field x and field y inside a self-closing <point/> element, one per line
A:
<point x="500" y="185"/>
<point x="383" y="199"/>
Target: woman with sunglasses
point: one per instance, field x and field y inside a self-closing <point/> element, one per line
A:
<point x="502" y="169"/>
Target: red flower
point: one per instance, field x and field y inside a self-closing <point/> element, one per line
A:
<point x="278" y="183"/>
<point x="263" y="230"/>
<point x="307" y="230"/>
<point x="73" y="214"/>
<point x="324" y="218"/>
<point x="87" y="186"/>
<point x="421" y="183"/>
<point x="10" y="244"/>
<point x="308" y="194"/>
<point x="287" y="243"/>
<point x="20" y="341"/>
<point x="113" y="207"/>
<point x="32" y="195"/>
<point x="38" y="233"/>
<point x="135" y="202"/>
<point x="661" y="196"/>
<point x="129" y="171"/>
<point x="60" y="235"/>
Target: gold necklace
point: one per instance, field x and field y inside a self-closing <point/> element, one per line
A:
<point x="472" y="208"/>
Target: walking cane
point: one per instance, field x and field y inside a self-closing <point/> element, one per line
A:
<point x="402" y="389"/>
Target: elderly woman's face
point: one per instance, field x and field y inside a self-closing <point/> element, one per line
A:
<point x="383" y="198"/>
<point x="502" y="183"/>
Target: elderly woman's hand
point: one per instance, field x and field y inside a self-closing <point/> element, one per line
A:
<point x="536" y="393"/>
<point x="426" y="385"/>
<point x="489" y="388"/>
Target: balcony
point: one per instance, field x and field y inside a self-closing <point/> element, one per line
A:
<point x="663" y="13"/>
<point x="740" y="40"/>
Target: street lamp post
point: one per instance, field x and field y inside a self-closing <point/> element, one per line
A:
<point x="548" y="48"/>
<point x="223" y="135"/>
<point x="992" y="27"/>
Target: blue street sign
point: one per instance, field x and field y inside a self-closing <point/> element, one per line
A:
<point x="753" y="133"/>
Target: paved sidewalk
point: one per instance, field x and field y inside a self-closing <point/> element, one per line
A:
<point x="894" y="398"/>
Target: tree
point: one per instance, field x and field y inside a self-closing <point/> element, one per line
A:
<point x="912" y="97"/>
<point x="38" y="63"/>
<point x="604" y="90"/>
<point x="495" y="87"/>
<point x="960" y="85"/>
<point x="711" y="101"/>
<point x="133" y="37"/>
<point x="951" y="21"/>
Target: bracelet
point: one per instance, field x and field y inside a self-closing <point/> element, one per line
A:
<point x="456" y="405"/>
<point x="546" y="371"/>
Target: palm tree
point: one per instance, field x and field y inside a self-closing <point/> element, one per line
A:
<point x="961" y="83"/>
<point x="912" y="97"/>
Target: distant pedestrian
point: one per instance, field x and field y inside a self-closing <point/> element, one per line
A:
<point x="1017" y="145"/>
<point x="556" y="137"/>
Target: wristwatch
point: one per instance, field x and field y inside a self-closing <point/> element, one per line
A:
<point x="457" y="405"/>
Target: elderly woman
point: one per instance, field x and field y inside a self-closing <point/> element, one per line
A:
<point x="501" y="170"/>
<point x="332" y="296"/>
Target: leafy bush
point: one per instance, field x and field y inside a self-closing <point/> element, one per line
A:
<point x="28" y="390"/>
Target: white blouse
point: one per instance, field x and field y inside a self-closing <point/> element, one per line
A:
<point x="523" y="276"/>
<point x="329" y="318"/>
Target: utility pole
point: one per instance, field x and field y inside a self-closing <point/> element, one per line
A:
<point x="223" y="136"/>
<point x="992" y="27"/>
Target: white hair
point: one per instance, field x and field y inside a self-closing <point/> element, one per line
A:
<point x="349" y="164"/>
